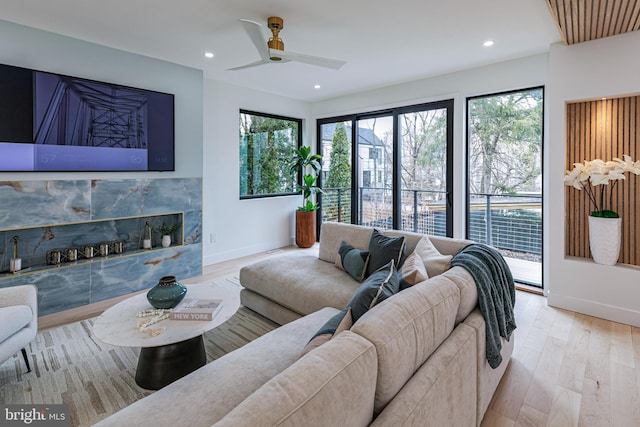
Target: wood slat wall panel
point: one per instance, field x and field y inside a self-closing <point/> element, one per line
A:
<point x="604" y="129"/>
<point x="584" y="20"/>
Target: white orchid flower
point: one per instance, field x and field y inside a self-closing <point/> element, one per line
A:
<point x="616" y="174"/>
<point x="599" y="179"/>
<point x="586" y="176"/>
<point x="574" y="176"/>
<point x="629" y="165"/>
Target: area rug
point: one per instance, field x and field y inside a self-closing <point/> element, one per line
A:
<point x="95" y="379"/>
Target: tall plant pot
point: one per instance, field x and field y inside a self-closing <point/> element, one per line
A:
<point x="305" y="229"/>
<point x="604" y="239"/>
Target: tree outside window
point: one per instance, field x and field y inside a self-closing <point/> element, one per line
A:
<point x="266" y="146"/>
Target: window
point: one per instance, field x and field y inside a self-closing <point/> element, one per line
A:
<point x="504" y="173"/>
<point x="394" y="168"/>
<point x="266" y="146"/>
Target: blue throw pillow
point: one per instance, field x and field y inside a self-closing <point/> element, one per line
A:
<point x="353" y="261"/>
<point x="383" y="249"/>
<point x="379" y="286"/>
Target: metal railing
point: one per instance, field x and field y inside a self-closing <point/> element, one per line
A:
<point x="511" y="223"/>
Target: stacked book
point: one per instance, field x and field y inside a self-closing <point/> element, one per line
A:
<point x="196" y="309"/>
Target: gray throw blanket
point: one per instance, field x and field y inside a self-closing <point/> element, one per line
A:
<point x="496" y="294"/>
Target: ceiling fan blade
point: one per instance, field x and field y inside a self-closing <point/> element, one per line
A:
<point x="254" y="30"/>
<point x="250" y="65"/>
<point x="307" y="59"/>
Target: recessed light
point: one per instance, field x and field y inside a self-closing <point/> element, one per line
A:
<point x="316" y="86"/>
<point x="208" y="54"/>
<point x="488" y="43"/>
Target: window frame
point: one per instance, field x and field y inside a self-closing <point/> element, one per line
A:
<point x="297" y="146"/>
<point x="470" y="99"/>
<point x="446" y="104"/>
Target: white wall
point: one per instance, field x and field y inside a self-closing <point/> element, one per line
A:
<point x="516" y="74"/>
<point x="606" y="67"/>
<point x="241" y="227"/>
<point x="30" y="48"/>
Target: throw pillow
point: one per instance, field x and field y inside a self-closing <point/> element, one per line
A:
<point x="413" y="270"/>
<point x="434" y="261"/>
<point x="353" y="261"/>
<point x="383" y="249"/>
<point x="379" y="286"/>
<point x="339" y="322"/>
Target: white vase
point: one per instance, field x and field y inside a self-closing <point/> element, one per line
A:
<point x="166" y="241"/>
<point x="604" y="239"/>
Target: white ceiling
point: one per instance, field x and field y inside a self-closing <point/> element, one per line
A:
<point x="383" y="42"/>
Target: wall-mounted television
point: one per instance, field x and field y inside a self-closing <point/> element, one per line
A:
<point x="53" y="122"/>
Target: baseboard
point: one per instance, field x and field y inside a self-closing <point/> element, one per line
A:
<point x="594" y="308"/>
<point x="242" y="252"/>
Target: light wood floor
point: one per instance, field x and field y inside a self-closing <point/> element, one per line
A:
<point x="568" y="369"/>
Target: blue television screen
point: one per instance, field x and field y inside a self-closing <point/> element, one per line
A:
<point x="52" y="122"/>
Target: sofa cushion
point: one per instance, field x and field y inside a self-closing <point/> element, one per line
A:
<point x="441" y="392"/>
<point x="406" y="329"/>
<point x="340" y="322"/>
<point x="468" y="291"/>
<point x="333" y="233"/>
<point x="383" y="249"/>
<point x="353" y="261"/>
<point x="413" y="270"/>
<point x="216" y="388"/>
<point x="331" y="386"/>
<point x="379" y="286"/>
<point x="435" y="262"/>
<point x="13" y="318"/>
<point x="300" y="282"/>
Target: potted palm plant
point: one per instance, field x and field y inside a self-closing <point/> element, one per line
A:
<point x="308" y="164"/>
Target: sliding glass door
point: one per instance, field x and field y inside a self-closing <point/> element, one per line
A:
<point x="335" y="179"/>
<point x="375" y="171"/>
<point x="396" y="172"/>
<point x="425" y="206"/>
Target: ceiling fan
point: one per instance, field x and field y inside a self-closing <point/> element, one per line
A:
<point x="273" y="50"/>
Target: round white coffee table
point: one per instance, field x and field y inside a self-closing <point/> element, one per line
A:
<point x="179" y="350"/>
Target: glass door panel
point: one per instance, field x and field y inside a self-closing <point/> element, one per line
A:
<point x="504" y="204"/>
<point x="335" y="148"/>
<point x="375" y="172"/>
<point x="423" y="185"/>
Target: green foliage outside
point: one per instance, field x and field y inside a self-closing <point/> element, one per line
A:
<point x="506" y="133"/>
<point x="265" y="148"/>
<point x="424" y="146"/>
<point x="339" y="175"/>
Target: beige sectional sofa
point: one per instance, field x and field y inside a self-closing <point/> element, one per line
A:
<point x="417" y="358"/>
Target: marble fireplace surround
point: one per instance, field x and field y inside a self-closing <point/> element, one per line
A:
<point x="64" y="213"/>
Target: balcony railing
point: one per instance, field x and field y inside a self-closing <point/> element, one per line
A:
<point x="511" y="223"/>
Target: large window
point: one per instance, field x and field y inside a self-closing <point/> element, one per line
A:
<point x="266" y="146"/>
<point x="504" y="204"/>
<point x="390" y="169"/>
